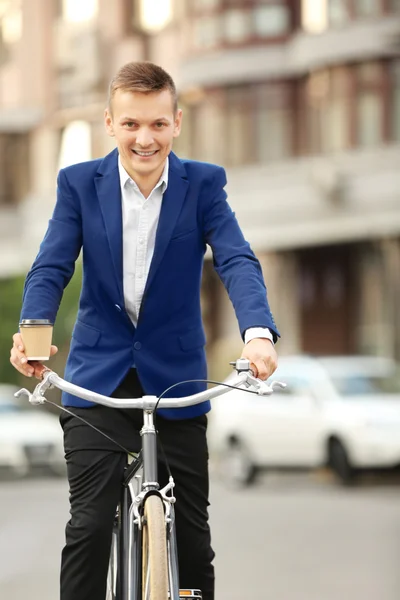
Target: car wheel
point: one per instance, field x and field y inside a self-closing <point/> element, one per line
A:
<point x="236" y="466"/>
<point x="340" y="463"/>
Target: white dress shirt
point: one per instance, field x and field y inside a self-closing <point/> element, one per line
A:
<point x="140" y="217"/>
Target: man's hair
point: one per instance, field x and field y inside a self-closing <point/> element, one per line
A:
<point x="144" y="77"/>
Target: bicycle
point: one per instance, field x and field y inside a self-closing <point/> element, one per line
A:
<point x="143" y="556"/>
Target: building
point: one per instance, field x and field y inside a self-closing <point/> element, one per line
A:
<point x="299" y="100"/>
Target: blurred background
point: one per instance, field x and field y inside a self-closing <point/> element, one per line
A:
<point x="300" y="101"/>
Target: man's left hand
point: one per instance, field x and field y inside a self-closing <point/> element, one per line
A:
<point x="262" y="356"/>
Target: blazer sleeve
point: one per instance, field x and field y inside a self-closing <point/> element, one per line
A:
<point x="55" y="263"/>
<point x="234" y="261"/>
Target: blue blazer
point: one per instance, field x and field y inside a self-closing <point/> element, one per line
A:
<point x="167" y="345"/>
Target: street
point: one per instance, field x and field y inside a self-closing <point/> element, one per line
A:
<point x="290" y="537"/>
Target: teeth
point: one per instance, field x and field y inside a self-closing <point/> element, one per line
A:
<point x="145" y="153"/>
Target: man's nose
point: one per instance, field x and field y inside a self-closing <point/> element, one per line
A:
<point x="144" y="138"/>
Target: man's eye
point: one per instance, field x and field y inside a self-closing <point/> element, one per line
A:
<point x="129" y="124"/>
<point x="160" y="125"/>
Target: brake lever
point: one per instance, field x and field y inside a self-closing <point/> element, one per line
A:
<point x="266" y="389"/>
<point x="37" y="396"/>
<point x="262" y="387"/>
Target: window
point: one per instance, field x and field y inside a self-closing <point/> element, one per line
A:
<point x="154" y="15"/>
<point x="210" y="136"/>
<point x="317" y="15"/>
<point x="394" y="6"/>
<point x="200" y="5"/>
<point x="367" y="8"/>
<point x="395" y="120"/>
<point x="240" y="146"/>
<point x="314" y="15"/>
<point x="10" y="27"/>
<point x="14" y="168"/>
<point x="207" y="32"/>
<point x="369" y="119"/>
<point x="327" y="110"/>
<point x="233" y="22"/>
<point x="335" y="132"/>
<point x="273" y="123"/>
<point x="338" y="12"/>
<point x="369" y="104"/>
<point x="242" y="125"/>
<point x="271" y="20"/>
<point x="78" y="11"/>
<point x="360" y="384"/>
<point x="237" y="25"/>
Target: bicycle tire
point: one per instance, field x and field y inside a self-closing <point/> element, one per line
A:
<point x="154" y="551"/>
<point x="111" y="590"/>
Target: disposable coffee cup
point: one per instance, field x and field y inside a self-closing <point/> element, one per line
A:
<point x="36" y="335"/>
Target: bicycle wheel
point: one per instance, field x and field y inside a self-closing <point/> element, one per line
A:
<point x="111" y="593"/>
<point x="154" y="551"/>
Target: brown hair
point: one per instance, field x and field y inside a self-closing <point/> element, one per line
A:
<point x="144" y="77"/>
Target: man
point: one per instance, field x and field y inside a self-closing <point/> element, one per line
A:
<point x="143" y="219"/>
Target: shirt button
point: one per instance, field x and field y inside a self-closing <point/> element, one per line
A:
<point x="137" y="345"/>
<point x="117" y="306"/>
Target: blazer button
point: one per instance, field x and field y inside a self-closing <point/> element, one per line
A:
<point x="117" y="306"/>
<point x="137" y="345"/>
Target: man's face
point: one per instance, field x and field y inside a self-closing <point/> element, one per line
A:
<point x="144" y="126"/>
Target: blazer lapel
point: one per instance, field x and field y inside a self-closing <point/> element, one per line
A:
<point x="171" y="206"/>
<point x="109" y="194"/>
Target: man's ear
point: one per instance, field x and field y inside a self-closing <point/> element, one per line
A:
<point x="108" y="122"/>
<point x="177" y="123"/>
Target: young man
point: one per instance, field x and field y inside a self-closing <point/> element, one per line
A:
<point x="143" y="218"/>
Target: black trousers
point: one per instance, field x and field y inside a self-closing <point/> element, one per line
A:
<point x="95" y="470"/>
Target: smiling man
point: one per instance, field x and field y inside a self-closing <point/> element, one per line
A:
<point x="143" y="218"/>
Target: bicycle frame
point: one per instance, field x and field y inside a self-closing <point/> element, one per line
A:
<point x="141" y="479"/>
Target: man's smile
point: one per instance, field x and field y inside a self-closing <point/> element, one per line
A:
<point x="144" y="154"/>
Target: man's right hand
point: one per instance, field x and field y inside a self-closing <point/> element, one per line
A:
<point x="19" y="361"/>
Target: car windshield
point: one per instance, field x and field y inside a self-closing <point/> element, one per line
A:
<point x="8" y="407"/>
<point x="357" y="384"/>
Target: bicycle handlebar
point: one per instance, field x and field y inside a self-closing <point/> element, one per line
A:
<point x="244" y="377"/>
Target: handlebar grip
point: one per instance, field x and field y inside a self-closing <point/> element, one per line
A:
<point x="41" y="370"/>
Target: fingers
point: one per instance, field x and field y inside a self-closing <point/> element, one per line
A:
<point x="262" y="356"/>
<point x="263" y="368"/>
<point x="18" y="358"/>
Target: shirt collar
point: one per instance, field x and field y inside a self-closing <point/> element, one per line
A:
<point x="124" y="176"/>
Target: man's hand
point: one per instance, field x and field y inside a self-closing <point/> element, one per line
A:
<point x="262" y="356"/>
<point x="19" y="361"/>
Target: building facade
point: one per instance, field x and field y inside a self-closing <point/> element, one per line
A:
<point x="298" y="100"/>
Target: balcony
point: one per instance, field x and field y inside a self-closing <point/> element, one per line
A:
<point x="320" y="200"/>
<point x="357" y="41"/>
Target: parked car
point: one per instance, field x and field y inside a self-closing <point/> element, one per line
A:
<point x="341" y="412"/>
<point x="29" y="437"/>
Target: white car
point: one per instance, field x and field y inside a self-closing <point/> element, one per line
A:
<point x="341" y="412"/>
<point x="29" y="437"/>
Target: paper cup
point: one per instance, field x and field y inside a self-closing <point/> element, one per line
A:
<point x="36" y="335"/>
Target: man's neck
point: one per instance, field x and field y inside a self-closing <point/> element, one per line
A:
<point x="147" y="183"/>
